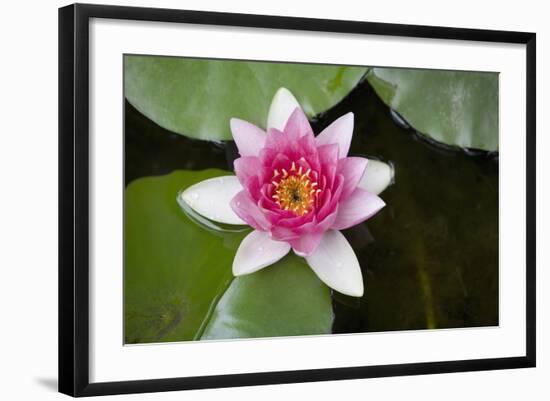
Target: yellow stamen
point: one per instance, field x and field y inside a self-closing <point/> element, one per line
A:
<point x="295" y="191"/>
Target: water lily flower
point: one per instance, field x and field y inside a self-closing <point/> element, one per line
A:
<point x="297" y="191"/>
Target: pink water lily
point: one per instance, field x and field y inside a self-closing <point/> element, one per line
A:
<point x="297" y="191"/>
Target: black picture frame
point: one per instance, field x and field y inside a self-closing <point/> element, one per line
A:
<point x="74" y="198"/>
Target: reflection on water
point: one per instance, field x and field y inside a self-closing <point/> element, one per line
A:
<point x="429" y="258"/>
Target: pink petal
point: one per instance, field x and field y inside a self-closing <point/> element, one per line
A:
<point x="276" y="140"/>
<point x="296" y="221"/>
<point x="288" y="228"/>
<point x="248" y="168"/>
<point x="273" y="216"/>
<point x="317" y="226"/>
<point x="352" y="168"/>
<point x="327" y="222"/>
<point x="297" y="125"/>
<point x="248" y="138"/>
<point x="254" y="188"/>
<point x="306" y="244"/>
<point x="280" y="162"/>
<point x="307" y="146"/>
<point x="339" y="132"/>
<point x="244" y="207"/>
<point x="328" y="154"/>
<point x="330" y="203"/>
<point x="283" y="233"/>
<point x="358" y="207"/>
<point x="250" y="174"/>
<point x="267" y="155"/>
<point x="328" y="157"/>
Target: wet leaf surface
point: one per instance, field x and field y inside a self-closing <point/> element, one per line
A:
<point x="283" y="299"/>
<point x="196" y="98"/>
<point x="452" y="107"/>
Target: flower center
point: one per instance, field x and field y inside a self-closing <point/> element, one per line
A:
<point x="294" y="191"/>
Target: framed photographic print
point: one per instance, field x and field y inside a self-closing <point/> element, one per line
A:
<point x="250" y="199"/>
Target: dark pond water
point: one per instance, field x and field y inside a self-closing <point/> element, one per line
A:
<point x="429" y="258"/>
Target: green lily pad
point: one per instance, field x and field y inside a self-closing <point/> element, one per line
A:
<point x="456" y="108"/>
<point x="289" y="284"/>
<point x="196" y="98"/>
<point x="178" y="280"/>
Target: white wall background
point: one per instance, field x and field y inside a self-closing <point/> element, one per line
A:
<point x="28" y="200"/>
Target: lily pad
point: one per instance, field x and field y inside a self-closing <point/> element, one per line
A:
<point x="456" y="108"/>
<point x="178" y="280"/>
<point x="196" y="98"/>
<point x="289" y="284"/>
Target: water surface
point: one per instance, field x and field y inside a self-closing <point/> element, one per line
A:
<point x="429" y="258"/>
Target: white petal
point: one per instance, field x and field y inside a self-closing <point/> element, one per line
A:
<point x="258" y="250"/>
<point x="340" y="131"/>
<point x="282" y="106"/>
<point x="377" y="177"/>
<point x="210" y="198"/>
<point x="336" y="265"/>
